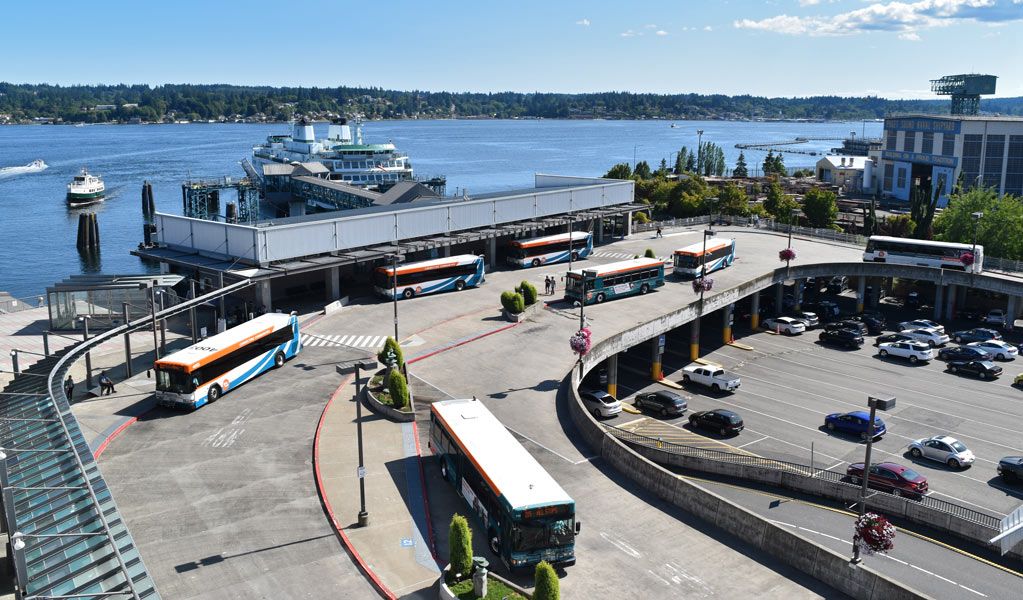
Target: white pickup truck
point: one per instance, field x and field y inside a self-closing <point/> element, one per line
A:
<point x="712" y="377"/>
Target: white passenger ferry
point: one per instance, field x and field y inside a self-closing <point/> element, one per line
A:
<point x="85" y="189"/>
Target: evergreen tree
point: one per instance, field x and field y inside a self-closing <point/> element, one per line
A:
<point x="779" y="164"/>
<point x="545" y="582"/>
<point x="642" y="170"/>
<point x="922" y="210"/>
<point x="681" y="161"/>
<point x="619" y="171"/>
<point x="664" y="166"/>
<point x="391" y="353"/>
<point x="691" y="163"/>
<point x="769" y="163"/>
<point x="459" y="546"/>
<point x="398" y="388"/>
<point x="820" y="208"/>
<point x="740" y="167"/>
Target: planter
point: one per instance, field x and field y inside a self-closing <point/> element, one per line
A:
<point x="445" y="593"/>
<point x="389" y="411"/>
<point x="530" y="311"/>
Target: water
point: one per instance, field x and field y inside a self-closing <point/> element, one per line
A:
<point x="38" y="231"/>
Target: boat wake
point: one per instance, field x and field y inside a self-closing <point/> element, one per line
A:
<point x="32" y="167"/>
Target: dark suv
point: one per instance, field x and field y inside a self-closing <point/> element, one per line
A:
<point x="663" y="402"/>
<point x="857" y="326"/>
<point x="875" y="323"/>
<point x="844" y="337"/>
<point x="719" y="420"/>
<point x="1011" y="469"/>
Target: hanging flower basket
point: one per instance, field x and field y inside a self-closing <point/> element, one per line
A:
<point x="787" y="254"/>
<point x="703" y="284"/>
<point x="580" y="342"/>
<point x="966" y="258"/>
<point x="874" y="534"/>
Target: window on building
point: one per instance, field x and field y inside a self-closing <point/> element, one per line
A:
<point x="901" y="182"/>
<point x="892" y="136"/>
<point x="993" y="161"/>
<point x="909" y="141"/>
<point x="1014" y="167"/>
<point x="971" y="159"/>
<point x="948" y="144"/>
<point x="927" y="145"/>
<point x="889" y="170"/>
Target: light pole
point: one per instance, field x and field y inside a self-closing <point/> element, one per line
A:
<point x="977" y="216"/>
<point x="84" y="320"/>
<point x="571" y="229"/>
<point x="634" y="146"/>
<point x="699" y="152"/>
<point x="710" y="225"/>
<point x="394" y="292"/>
<point x="345" y="368"/>
<point x="875" y="404"/>
<point x="703" y="266"/>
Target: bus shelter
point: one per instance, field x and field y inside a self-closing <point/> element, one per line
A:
<point x="101" y="299"/>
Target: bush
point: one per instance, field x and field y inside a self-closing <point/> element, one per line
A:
<point x="640" y="217"/>
<point x="391" y="345"/>
<point x="513" y="303"/>
<point x="459" y="546"/>
<point x="398" y="388"/>
<point x="528" y="291"/>
<point x="649" y="253"/>
<point x="546" y="582"/>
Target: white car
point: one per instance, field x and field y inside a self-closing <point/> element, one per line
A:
<point x="786" y="325"/>
<point x="921" y="324"/>
<point x="914" y="351"/>
<point x="808" y="319"/>
<point x="997" y="349"/>
<point x="930" y="336"/>
<point x="601" y="404"/>
<point x="943" y="449"/>
<point x="995" y="316"/>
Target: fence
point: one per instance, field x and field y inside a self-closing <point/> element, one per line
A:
<point x="955" y="510"/>
<point x="9" y="304"/>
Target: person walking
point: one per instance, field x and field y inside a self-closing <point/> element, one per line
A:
<point x="69" y="387"/>
<point x="105" y="384"/>
<point x="554" y="284"/>
<point x="659" y="231"/>
<point x="547" y="285"/>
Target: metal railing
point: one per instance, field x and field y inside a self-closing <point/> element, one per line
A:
<point x="955" y="510"/>
<point x="9" y="304"/>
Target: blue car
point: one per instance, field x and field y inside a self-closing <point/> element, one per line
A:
<point x="963" y="353"/>
<point x="976" y="335"/>
<point x="854" y="423"/>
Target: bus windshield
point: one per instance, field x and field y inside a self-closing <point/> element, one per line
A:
<point x="687" y="261"/>
<point x="177" y="382"/>
<point x="533" y="535"/>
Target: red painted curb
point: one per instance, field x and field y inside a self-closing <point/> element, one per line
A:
<point x="426" y="502"/>
<point x="118" y="431"/>
<point x="463" y="342"/>
<point x="379" y="585"/>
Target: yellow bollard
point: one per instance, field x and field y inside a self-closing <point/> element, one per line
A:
<point x="657" y="371"/>
<point x="755" y="321"/>
<point x="694" y="351"/>
<point x="612" y="388"/>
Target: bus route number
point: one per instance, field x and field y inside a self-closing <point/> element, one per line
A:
<point x="543" y="511"/>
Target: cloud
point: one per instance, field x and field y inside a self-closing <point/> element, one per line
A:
<point x="662" y="32"/>
<point x="651" y="26"/>
<point x="584" y="22"/>
<point x="909" y="36"/>
<point x="707" y="28"/>
<point x="901" y="17"/>
<point x="809" y="2"/>
<point x="630" y="33"/>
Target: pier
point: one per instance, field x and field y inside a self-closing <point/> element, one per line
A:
<point x="201" y="197"/>
<point x="774" y="146"/>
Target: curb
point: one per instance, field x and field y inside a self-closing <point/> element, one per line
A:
<point x="118" y="431"/>
<point x="460" y="342"/>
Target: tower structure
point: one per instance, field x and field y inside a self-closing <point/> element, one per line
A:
<point x="965" y="90"/>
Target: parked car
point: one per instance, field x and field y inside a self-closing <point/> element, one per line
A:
<point x="929" y="336"/>
<point x="856" y="423"/>
<point x="913" y="351"/>
<point x="857" y="326"/>
<point x="712" y="377"/>
<point x="663" y="402"/>
<point x="837" y="284"/>
<point x="997" y="348"/>
<point x="600" y="403"/>
<point x="786" y="325"/>
<point x="995" y="316"/>
<point x="808" y="319"/>
<point x="963" y="353"/>
<point x="890" y="477"/>
<point x="944" y="449"/>
<point x="912" y="300"/>
<point x="874" y="323"/>
<point x="1011" y="469"/>
<point x="977" y="334"/>
<point x="826" y="310"/>
<point x="842" y="337"/>
<point x="920" y="324"/>
<point x="969" y="315"/>
<point x="1018" y="380"/>
<point x="981" y="368"/>
<point x="720" y="420"/>
<point x="890" y="337"/>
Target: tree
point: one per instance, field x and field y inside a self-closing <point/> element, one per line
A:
<point x="528" y="291"/>
<point x="999" y="231"/>
<point x="691" y="163"/>
<point x="545" y="582"/>
<point x="619" y="171"/>
<point x="732" y="201"/>
<point x="680" y="160"/>
<point x="391" y="354"/>
<point x="769" y="162"/>
<point x="398" y="388"/>
<point x="642" y="170"/>
<point x="740" y="167"/>
<point x="922" y="210"/>
<point x="897" y="226"/>
<point x="870" y="218"/>
<point x="459" y="546"/>
<point x="778" y="205"/>
<point x="649" y="253"/>
<point x="819" y="207"/>
<point x="779" y="165"/>
<point x="664" y="166"/>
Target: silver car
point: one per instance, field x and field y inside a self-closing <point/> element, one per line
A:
<point x="600" y="403"/>
<point x="943" y="449"/>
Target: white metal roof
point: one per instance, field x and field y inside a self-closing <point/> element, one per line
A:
<point x="216" y="343"/>
<point x="851" y="162"/>
<point x="712" y="243"/>
<point x="459" y="259"/>
<point x="624" y="265"/>
<point x="576" y="235"/>
<point x="509" y="468"/>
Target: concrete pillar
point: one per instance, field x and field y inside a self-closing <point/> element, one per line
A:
<point x="875" y="291"/>
<point x="598" y="230"/>
<point x="950" y="301"/>
<point x="164" y="267"/>
<point x="755" y="311"/>
<point x="861" y="290"/>
<point x="263" y="295"/>
<point x="333" y="276"/>
<point x="296" y="208"/>
<point x="492" y="251"/>
<point x="446" y="251"/>
<point x="797" y="294"/>
<point x="612" y="375"/>
<point x="627" y="226"/>
<point x="779" y="297"/>
<point x="655" y="357"/>
<point x="727" y="323"/>
<point x="961" y="298"/>
<point x="939" y="296"/>
<point x="694" y="339"/>
<point x="1010" y="312"/>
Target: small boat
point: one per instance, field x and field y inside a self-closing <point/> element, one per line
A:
<point x="35" y="165"/>
<point x="85" y="189"/>
<point x="674" y="126"/>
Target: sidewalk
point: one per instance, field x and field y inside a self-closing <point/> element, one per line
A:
<point x="395" y="546"/>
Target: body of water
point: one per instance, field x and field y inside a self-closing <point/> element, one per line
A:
<point x="38" y="231"/>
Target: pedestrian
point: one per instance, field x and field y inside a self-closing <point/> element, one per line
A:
<point x="69" y="387"/>
<point x="549" y="288"/>
<point x="756" y="221"/>
<point x="105" y="384"/>
<point x="659" y="231"/>
<point x="554" y="284"/>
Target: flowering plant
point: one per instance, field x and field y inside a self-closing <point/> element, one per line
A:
<point x="787" y="254"/>
<point x="703" y="284"/>
<point x="966" y="258"/>
<point x="580" y="342"/>
<point x="874" y="534"/>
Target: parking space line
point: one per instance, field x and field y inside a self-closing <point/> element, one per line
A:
<point x="754" y="441"/>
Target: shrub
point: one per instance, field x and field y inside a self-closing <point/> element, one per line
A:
<point x="528" y="291"/>
<point x="649" y="253"/>
<point x="546" y="582"/>
<point x="459" y="546"/>
<point x="640" y="217"/>
<point x="390" y="345"/>
<point x="513" y="302"/>
<point x="398" y="388"/>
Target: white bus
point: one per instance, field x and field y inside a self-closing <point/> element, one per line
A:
<point x="549" y="249"/>
<point x="720" y="253"/>
<point x="923" y="253"/>
<point x="429" y="276"/>
<point x="205" y="371"/>
<point x="526" y="515"/>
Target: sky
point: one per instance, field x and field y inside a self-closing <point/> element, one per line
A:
<point x="764" y="48"/>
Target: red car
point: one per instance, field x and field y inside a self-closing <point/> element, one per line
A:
<point x="890" y="477"/>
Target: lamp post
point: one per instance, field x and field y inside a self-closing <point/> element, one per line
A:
<point x="977" y="216"/>
<point x="875" y="404"/>
<point x="710" y="206"/>
<point x="571" y="229"/>
<point x="84" y="320"/>
<point x="699" y="152"/>
<point x="394" y="291"/>
<point x="703" y="266"/>
<point x="345" y="368"/>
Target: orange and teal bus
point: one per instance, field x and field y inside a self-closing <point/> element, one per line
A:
<point x="526" y="515"/>
<point x="205" y="371"/>
<point x="549" y="249"/>
<point x="613" y="280"/>
<point x="716" y="253"/>
<point x="429" y="276"/>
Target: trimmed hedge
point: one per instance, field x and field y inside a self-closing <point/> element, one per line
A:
<point x="393" y="346"/>
<point x="650" y="253"/>
<point x="528" y="291"/>
<point x="513" y="302"/>
<point x="459" y="547"/>
<point x="546" y="581"/>
<point x="398" y="388"/>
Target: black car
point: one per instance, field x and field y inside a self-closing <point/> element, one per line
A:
<point x="843" y="337"/>
<point x="663" y="402"/>
<point x="719" y="420"/>
<point x="963" y="354"/>
<point x="980" y="368"/>
<point x="826" y="310"/>
<point x="892" y="337"/>
<point x="1011" y="469"/>
<point x="837" y="284"/>
<point x="875" y="324"/>
<point x="969" y="315"/>
<point x="858" y="327"/>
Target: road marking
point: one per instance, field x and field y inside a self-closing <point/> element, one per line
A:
<point x="631" y="422"/>
<point x="754" y="441"/>
<point x="659" y="578"/>
<point x="565" y="458"/>
<point x="972" y="590"/>
<point x="620" y="544"/>
<point x="839" y="463"/>
<point x="932" y="574"/>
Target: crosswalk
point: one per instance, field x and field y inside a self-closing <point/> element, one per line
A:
<point x="625" y="256"/>
<point x="356" y="341"/>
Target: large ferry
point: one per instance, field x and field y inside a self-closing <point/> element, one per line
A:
<point x="85" y="189"/>
<point x="344" y="154"/>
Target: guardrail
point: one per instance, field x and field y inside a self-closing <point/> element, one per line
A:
<point x="11" y="304"/>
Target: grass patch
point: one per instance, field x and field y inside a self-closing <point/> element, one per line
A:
<point x="376" y="386"/>
<point x="495" y="590"/>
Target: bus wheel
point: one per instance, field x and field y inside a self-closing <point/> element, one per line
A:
<point x="408" y="293"/>
<point x="575" y="256"/>
<point x="495" y="544"/>
<point x="459" y="285"/>
<point x="213" y="394"/>
<point x="536" y="262"/>
<point x="279" y="359"/>
<point x="444" y="469"/>
<point x="644" y="288"/>
<point x="600" y="298"/>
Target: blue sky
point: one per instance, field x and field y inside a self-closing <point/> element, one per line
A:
<point x="772" y="48"/>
